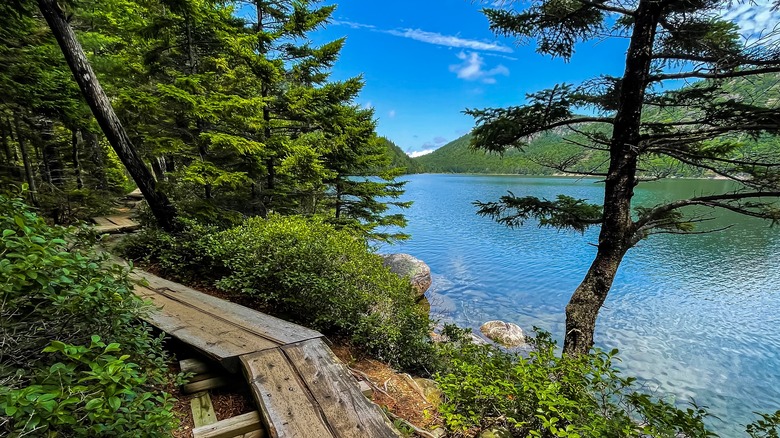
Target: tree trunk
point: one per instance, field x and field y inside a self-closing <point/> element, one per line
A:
<point x="158" y="169"/>
<point x="6" y="143"/>
<point x="11" y="166"/>
<point x="55" y="173"/>
<point x="75" y="141"/>
<point x="104" y="113"/>
<point x="28" y="172"/>
<point x="264" y="93"/>
<point x="96" y="157"/>
<point x="170" y="164"/>
<point x="617" y="229"/>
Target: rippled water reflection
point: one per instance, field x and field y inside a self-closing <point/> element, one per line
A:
<point x="693" y="316"/>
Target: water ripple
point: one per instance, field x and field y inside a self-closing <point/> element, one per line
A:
<point x="694" y="317"/>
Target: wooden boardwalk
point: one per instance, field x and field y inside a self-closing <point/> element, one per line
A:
<point x="115" y="224"/>
<point x="301" y="389"/>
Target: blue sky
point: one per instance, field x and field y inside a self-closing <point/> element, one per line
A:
<point x="425" y="61"/>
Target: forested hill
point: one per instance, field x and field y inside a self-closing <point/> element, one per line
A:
<point x="458" y="157"/>
<point x="398" y="158"/>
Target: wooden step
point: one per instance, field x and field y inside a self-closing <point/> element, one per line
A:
<point x="246" y="426"/>
<point x="303" y="390"/>
<point x="202" y="409"/>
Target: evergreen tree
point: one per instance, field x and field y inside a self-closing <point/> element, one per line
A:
<point x="669" y="40"/>
<point x="363" y="187"/>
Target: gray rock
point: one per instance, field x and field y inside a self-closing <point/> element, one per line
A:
<point x="496" y="432"/>
<point x="504" y="333"/>
<point x="439" y="432"/>
<point x="406" y="266"/>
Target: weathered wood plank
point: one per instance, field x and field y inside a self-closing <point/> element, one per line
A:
<point x="194" y="366"/>
<point x="287" y="407"/>
<point x="246" y="425"/>
<point x="217" y="339"/>
<point x="202" y="409"/>
<point x="205" y="385"/>
<point x="269" y="327"/>
<point x="122" y="221"/>
<point x="102" y="221"/>
<point x="348" y="412"/>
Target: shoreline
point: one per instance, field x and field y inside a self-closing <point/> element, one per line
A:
<point x="572" y="176"/>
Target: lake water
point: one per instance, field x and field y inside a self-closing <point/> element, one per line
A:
<point x="696" y="317"/>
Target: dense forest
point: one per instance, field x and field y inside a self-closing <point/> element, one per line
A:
<point x="234" y="117"/>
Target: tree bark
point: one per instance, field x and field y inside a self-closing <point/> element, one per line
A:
<point x="96" y="157"/>
<point x="55" y="173"/>
<point x="158" y="169"/>
<point x="75" y="141"/>
<point x="28" y="172"/>
<point x="264" y="93"/>
<point x="96" y="98"/>
<point x="617" y="229"/>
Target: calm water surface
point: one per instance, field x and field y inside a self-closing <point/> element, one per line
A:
<point x="696" y="317"/>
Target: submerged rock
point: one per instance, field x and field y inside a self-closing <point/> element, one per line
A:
<point x="406" y="266"/>
<point x="504" y="333"/>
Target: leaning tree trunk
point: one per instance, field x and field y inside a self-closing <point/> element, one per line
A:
<point x="617" y="228"/>
<point x="104" y="113"/>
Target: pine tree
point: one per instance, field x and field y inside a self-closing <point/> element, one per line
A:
<point x="699" y="126"/>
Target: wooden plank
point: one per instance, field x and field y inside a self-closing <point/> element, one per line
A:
<point x="194" y="366"/>
<point x="348" y="412"/>
<point x="102" y="221"/>
<point x="115" y="229"/>
<point x="287" y="407"/>
<point x="135" y="194"/>
<point x="202" y="409"/>
<point x="122" y="221"/>
<point x="246" y="425"/>
<point x="275" y="329"/>
<point x="205" y="385"/>
<point x="215" y="338"/>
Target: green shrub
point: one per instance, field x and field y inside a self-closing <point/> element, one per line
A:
<point x="544" y="395"/>
<point x="182" y="256"/>
<point x="328" y="279"/>
<point x="58" y="294"/>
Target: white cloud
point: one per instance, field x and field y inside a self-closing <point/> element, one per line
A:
<point x="352" y="24"/>
<point x="368" y="105"/>
<point x="391" y="114"/>
<point x="471" y="69"/>
<point x="755" y="19"/>
<point x="448" y="40"/>
<point x="431" y="37"/>
<point x="420" y="153"/>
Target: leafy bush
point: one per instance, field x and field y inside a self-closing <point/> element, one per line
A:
<point x="328" y="279"/>
<point x="59" y="295"/>
<point x="182" y="256"/>
<point x="544" y="395"/>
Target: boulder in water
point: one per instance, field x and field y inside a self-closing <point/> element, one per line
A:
<point x="504" y="333"/>
<point x="406" y="266"/>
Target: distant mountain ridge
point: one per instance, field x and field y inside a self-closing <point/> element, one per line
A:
<point x="458" y="157"/>
<point x="398" y="158"/>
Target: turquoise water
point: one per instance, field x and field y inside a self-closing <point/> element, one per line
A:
<point x="695" y="317"/>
